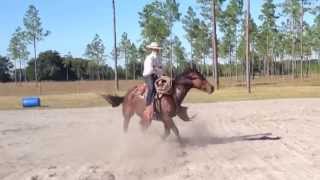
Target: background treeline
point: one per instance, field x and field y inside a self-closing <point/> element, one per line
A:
<point x="283" y="43"/>
<point x="52" y="66"/>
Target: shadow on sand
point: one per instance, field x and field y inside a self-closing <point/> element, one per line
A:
<point x="206" y="140"/>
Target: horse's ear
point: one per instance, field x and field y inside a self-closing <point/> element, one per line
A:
<point x="193" y="67"/>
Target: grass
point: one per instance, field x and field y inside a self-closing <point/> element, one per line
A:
<point x="56" y="101"/>
<point x="260" y="92"/>
<point x="87" y="93"/>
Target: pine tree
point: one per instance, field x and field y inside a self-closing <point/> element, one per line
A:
<point x="18" y="50"/>
<point x="34" y="31"/>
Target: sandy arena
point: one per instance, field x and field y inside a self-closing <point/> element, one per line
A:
<point x="88" y="144"/>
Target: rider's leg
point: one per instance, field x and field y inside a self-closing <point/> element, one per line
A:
<point x="150" y="83"/>
<point x="148" y="113"/>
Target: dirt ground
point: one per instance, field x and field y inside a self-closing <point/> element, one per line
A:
<point x="225" y="141"/>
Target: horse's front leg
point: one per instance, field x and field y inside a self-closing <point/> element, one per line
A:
<point x="176" y="132"/>
<point x="169" y="124"/>
<point x="166" y="130"/>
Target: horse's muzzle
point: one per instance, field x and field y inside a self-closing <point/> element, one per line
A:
<point x="209" y="88"/>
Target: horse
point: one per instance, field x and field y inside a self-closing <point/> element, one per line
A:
<point x="170" y="105"/>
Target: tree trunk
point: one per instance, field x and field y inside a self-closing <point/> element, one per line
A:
<point x="214" y="47"/>
<point x="15" y="71"/>
<point x="35" y="58"/>
<point x="20" y="71"/>
<point x="301" y="40"/>
<point x="268" y="55"/>
<point x="248" y="48"/>
<point x="115" y="47"/>
<point x="134" y="71"/>
<point x="309" y="73"/>
<point x="25" y="70"/>
<point x="67" y="74"/>
<point x="292" y="48"/>
<point x="126" y="62"/>
<point x="236" y="57"/>
<point x="230" y="63"/>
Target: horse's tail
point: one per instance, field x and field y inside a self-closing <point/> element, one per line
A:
<point x="113" y="100"/>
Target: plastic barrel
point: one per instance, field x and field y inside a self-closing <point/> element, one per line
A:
<point x="30" y="101"/>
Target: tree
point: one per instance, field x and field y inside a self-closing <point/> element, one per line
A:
<point x="95" y="52"/>
<point x="179" y="54"/>
<point x="50" y="65"/>
<point x="303" y="10"/>
<point x="268" y="30"/>
<point x="34" y="31"/>
<point x="171" y="15"/>
<point x="124" y="47"/>
<point x="202" y="43"/>
<point x="315" y="29"/>
<point x="152" y="22"/>
<point x="291" y="8"/>
<point x="210" y="10"/>
<point x="191" y="24"/>
<point x="67" y="62"/>
<point x="248" y="46"/>
<point x="228" y="26"/>
<point x="18" y="50"/>
<point x="115" y="55"/>
<point x="133" y="63"/>
<point x="5" y="69"/>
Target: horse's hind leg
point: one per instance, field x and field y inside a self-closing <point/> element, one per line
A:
<point x="166" y="130"/>
<point x="127" y="116"/>
<point x="126" y="123"/>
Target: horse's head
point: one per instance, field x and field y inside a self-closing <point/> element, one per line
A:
<point x="196" y="80"/>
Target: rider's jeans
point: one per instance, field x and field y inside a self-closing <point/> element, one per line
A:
<point x="149" y="80"/>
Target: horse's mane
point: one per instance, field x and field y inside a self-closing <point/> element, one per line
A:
<point x="188" y="70"/>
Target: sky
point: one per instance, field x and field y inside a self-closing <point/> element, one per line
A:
<point x="73" y="23"/>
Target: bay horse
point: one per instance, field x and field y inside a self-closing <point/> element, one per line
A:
<point x="170" y="105"/>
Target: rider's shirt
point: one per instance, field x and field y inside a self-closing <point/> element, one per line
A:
<point x="152" y="65"/>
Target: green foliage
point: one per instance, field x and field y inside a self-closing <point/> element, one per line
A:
<point x="32" y="23"/>
<point x="95" y="50"/>
<point x="228" y="26"/>
<point x="206" y="8"/>
<point x="18" y="46"/>
<point x="197" y="33"/>
<point x="50" y="64"/>
<point x="315" y="33"/>
<point x="57" y="68"/>
<point x="34" y="32"/>
<point x="134" y="66"/>
<point x="191" y="24"/>
<point x="268" y="29"/>
<point x="5" y="69"/>
<point x="157" y="18"/>
<point x="179" y="54"/>
<point x="171" y="12"/>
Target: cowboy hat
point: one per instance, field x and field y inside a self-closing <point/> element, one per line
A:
<point x="154" y="45"/>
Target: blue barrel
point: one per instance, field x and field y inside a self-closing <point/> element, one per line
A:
<point x="30" y="101"/>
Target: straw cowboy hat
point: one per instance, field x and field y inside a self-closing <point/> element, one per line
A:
<point x="154" y="45"/>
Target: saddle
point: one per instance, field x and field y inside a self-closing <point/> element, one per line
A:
<point x="163" y="86"/>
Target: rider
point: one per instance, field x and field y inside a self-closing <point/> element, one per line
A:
<point x="151" y="71"/>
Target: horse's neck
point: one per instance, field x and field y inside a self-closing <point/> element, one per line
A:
<point x="180" y="92"/>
